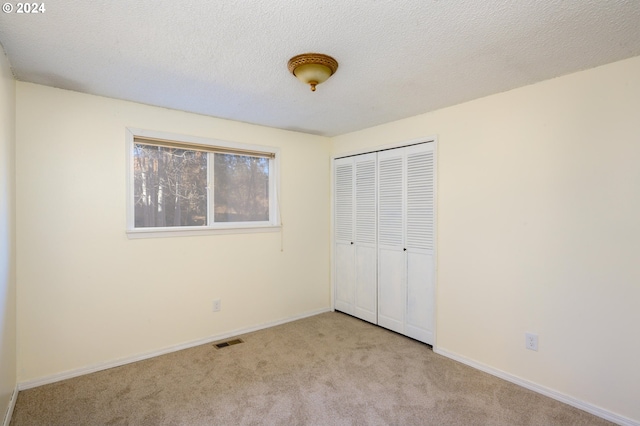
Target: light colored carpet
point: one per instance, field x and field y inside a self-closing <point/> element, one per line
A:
<point x="330" y="369"/>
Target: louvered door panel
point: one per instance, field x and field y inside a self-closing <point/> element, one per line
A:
<point x="344" y="201"/>
<point x="365" y="241"/>
<point x="420" y="200"/>
<point x="390" y="199"/>
<point x="366" y="200"/>
<point x="391" y="258"/>
<point x="345" y="271"/>
<point x="420" y="173"/>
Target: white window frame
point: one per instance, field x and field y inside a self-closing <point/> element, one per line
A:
<point x="273" y="225"/>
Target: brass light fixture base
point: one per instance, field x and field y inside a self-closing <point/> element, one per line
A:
<point x="312" y="68"/>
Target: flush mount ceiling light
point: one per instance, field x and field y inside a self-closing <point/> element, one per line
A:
<point x="312" y="68"/>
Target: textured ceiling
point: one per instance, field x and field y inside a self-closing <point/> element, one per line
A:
<point x="228" y="58"/>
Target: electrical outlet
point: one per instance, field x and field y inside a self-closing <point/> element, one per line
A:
<point x="531" y="341"/>
<point x="216" y="305"/>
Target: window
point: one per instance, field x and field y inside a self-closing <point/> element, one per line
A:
<point x="182" y="185"/>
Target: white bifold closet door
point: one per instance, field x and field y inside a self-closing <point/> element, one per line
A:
<point x="406" y="290"/>
<point x="355" y="236"/>
<point x="384" y="239"/>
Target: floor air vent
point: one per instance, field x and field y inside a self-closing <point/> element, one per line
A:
<point x="227" y="343"/>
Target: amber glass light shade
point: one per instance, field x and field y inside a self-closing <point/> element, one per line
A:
<point x="312" y="68"/>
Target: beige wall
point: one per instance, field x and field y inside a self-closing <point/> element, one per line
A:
<point x="7" y="235"/>
<point x="539" y="230"/>
<point x="89" y="295"/>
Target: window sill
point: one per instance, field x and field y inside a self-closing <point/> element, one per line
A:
<point x="192" y="232"/>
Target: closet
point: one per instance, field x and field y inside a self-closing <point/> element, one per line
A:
<point x="384" y="238"/>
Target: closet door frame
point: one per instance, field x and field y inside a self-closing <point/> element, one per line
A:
<point x="429" y="139"/>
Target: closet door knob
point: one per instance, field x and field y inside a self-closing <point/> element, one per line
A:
<point x="351" y="242"/>
<point x="404" y="249"/>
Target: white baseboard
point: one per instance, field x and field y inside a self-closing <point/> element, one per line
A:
<point x="12" y="404"/>
<point x="584" y="406"/>
<point x="128" y="360"/>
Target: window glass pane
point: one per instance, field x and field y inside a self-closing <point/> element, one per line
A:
<point x="170" y="186"/>
<point x="241" y="188"/>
